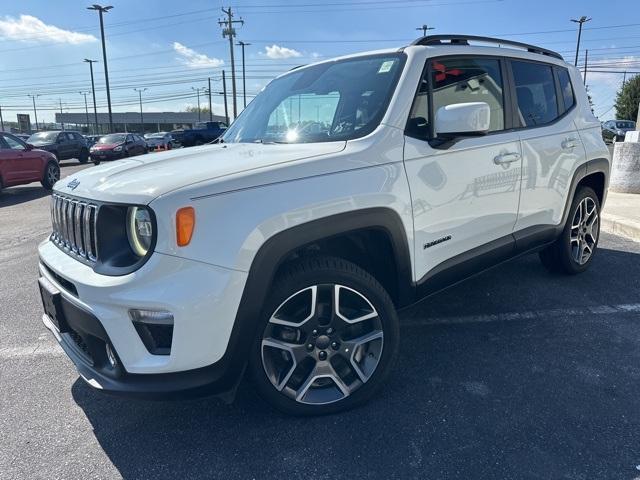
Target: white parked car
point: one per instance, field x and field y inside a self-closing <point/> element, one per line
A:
<point x="161" y="140"/>
<point x="346" y="190"/>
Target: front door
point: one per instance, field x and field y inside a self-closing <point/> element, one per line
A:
<point x="465" y="195"/>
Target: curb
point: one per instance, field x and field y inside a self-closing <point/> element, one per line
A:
<point x="621" y="226"/>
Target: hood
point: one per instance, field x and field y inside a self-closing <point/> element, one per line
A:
<point x="105" y="146"/>
<point x="141" y="179"/>
<point x="41" y="144"/>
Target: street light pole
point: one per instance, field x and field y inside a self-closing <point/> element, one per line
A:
<point x="93" y="90"/>
<point x="210" y="105"/>
<point x="224" y="90"/>
<point x="244" y="82"/>
<point x="35" y="112"/>
<point x="580" y="21"/>
<point x="140" y="90"/>
<point x="101" y="10"/>
<point x="86" y="107"/>
<point x="424" y="29"/>
<point x="1" y="121"/>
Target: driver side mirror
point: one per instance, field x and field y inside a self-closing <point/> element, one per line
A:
<point x="462" y="120"/>
<point x="29" y="147"/>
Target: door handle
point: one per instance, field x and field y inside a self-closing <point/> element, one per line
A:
<point x="569" y="143"/>
<point x="506" y="158"/>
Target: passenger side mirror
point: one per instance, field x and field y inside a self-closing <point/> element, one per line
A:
<point x="462" y="119"/>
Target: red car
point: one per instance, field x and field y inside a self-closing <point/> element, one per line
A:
<point x="21" y="163"/>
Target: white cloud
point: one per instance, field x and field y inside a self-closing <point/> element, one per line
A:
<point x="193" y="59"/>
<point x="276" y="52"/>
<point x="31" y="29"/>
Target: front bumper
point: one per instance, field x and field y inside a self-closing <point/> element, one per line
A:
<point x="203" y="299"/>
<point x="105" y="155"/>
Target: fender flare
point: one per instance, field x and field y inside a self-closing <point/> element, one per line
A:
<point x="272" y="253"/>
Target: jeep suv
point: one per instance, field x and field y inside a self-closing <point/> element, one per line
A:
<point x="346" y="190"/>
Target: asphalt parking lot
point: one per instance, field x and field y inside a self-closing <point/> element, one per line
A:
<point x="512" y="374"/>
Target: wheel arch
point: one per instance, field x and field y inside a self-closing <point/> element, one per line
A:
<point x="340" y="229"/>
<point x="594" y="173"/>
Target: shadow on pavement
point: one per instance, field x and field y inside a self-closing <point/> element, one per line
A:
<point x="17" y="195"/>
<point x="537" y="398"/>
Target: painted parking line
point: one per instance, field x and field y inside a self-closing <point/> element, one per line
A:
<point x="526" y="315"/>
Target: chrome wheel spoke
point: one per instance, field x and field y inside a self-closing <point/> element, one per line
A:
<point x="584" y="231"/>
<point x="322" y="343"/>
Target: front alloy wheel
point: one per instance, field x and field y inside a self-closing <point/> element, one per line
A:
<point x="330" y="342"/>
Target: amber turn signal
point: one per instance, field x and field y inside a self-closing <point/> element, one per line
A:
<point x="185" y="224"/>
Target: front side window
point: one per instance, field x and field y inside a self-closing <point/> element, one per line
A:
<point x="13" y="143"/>
<point x="536" y="93"/>
<point x="465" y="80"/>
<point x="629" y="125"/>
<point x="332" y="101"/>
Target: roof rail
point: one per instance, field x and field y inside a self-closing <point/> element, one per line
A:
<point x="464" y="40"/>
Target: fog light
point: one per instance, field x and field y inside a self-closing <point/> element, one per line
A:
<point x="111" y="356"/>
<point x="155" y="328"/>
<point x="156" y="317"/>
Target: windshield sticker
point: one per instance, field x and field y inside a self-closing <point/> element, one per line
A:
<point x="386" y="66"/>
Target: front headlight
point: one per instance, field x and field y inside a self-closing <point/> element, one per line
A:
<point x="118" y="148"/>
<point x="139" y="230"/>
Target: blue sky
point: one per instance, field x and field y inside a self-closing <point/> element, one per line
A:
<point x="170" y="47"/>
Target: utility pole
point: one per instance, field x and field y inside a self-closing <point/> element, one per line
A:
<point x="424" y="29"/>
<point x="624" y="79"/>
<point x="61" y="122"/>
<point x="229" y="31"/>
<point x="93" y="90"/>
<point x="86" y="107"/>
<point x="580" y="21"/>
<point x="1" y="121"/>
<point x="586" y="63"/>
<point x="210" y="105"/>
<point x="35" y="112"/>
<point x="140" y="90"/>
<point x="197" y="90"/>
<point x="101" y="10"/>
<point x="224" y="92"/>
<point x="244" y="82"/>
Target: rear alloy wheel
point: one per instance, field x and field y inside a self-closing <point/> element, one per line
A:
<point x="573" y="251"/>
<point x="329" y="343"/>
<point x="51" y="175"/>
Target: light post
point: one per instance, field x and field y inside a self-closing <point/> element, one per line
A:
<point x="140" y="90"/>
<point x="35" y="112"/>
<point x="580" y="21"/>
<point x="86" y="107"/>
<point x="424" y="29"/>
<point x="93" y="90"/>
<point x="244" y="82"/>
<point x="101" y="10"/>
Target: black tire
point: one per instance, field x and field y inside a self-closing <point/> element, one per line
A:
<point x="51" y="175"/>
<point x="84" y="156"/>
<point x="560" y="256"/>
<point x="328" y="274"/>
<point x="96" y="162"/>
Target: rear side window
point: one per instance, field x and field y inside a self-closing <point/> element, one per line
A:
<point x="536" y="93"/>
<point x="566" y="89"/>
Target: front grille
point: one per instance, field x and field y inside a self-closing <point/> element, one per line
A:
<point x="74" y="226"/>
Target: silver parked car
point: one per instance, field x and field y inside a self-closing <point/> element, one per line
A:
<point x="160" y="140"/>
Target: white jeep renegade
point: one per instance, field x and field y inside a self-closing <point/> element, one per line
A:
<point x="346" y="190"/>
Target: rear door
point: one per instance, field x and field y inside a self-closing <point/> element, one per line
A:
<point x="464" y="195"/>
<point x="551" y="146"/>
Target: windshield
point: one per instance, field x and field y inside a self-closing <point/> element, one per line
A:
<point x="331" y="101"/>
<point x="625" y="125"/>
<point x="154" y="135"/>
<point x="114" y="138"/>
<point x="43" y="137"/>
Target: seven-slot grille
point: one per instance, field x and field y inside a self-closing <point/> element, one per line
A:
<point x="74" y="226"/>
